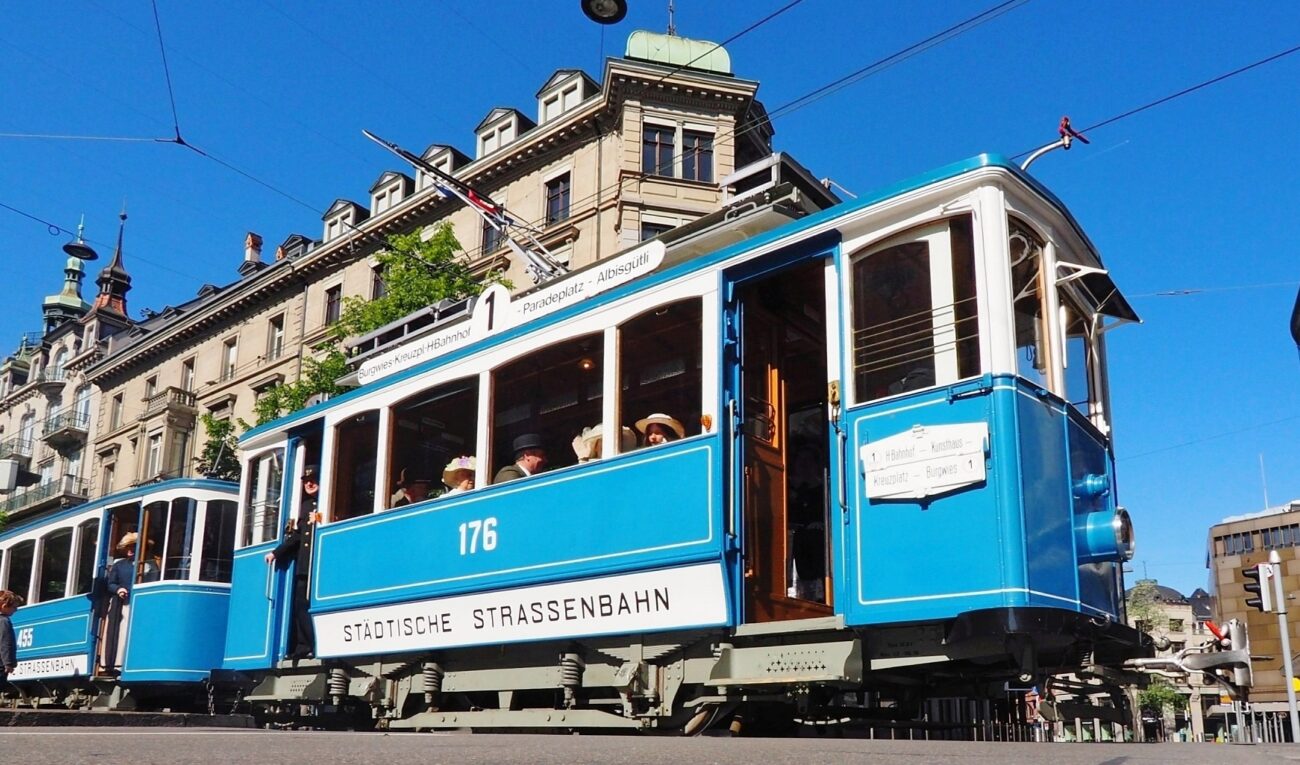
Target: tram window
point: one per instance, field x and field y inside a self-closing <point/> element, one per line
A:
<point x="659" y="365"/>
<point x="262" y="500"/>
<point x="1078" y="341"/>
<point x="87" y="542"/>
<point x="180" y="539"/>
<point x="554" y="392"/>
<point x="218" y="541"/>
<point x="1026" y="251"/>
<point x="915" y="316"/>
<point x="21" y="557"/>
<point x="356" y="442"/>
<point x="56" y="552"/>
<point x="429" y="430"/>
<point x="147" y="561"/>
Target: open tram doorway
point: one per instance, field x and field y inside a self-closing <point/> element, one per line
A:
<point x="784" y="444"/>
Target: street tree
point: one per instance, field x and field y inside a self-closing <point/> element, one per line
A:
<point x="419" y="269"/>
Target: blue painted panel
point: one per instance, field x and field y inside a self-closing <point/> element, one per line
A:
<point x="176" y="631"/>
<point x="648" y="508"/>
<point x="1099" y="587"/>
<point x="252" y="631"/>
<point x="1045" y="482"/>
<point x="929" y="559"/>
<point x="57" y="628"/>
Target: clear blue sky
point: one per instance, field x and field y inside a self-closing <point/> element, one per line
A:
<point x="1200" y="193"/>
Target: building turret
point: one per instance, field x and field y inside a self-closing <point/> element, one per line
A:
<point x="68" y="303"/>
<point x="114" y="282"/>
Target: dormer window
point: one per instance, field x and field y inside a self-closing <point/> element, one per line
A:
<point x="494" y="138"/>
<point x="444" y="158"/>
<point x="389" y="191"/>
<point x="562" y="92"/>
<point x="342" y="217"/>
<point x="500" y="128"/>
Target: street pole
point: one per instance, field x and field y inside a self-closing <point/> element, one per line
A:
<point x="1275" y="562"/>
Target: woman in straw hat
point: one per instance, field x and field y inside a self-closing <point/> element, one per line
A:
<point x="459" y="475"/>
<point x="121" y="577"/>
<point x="659" y="428"/>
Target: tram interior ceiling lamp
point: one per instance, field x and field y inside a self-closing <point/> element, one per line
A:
<point x="605" y="11"/>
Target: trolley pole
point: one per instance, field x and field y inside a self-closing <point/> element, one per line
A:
<point x="1275" y="562"/>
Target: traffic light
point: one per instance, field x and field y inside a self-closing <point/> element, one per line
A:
<point x="1258" y="585"/>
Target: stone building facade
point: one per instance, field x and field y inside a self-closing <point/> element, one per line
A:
<point x="653" y="145"/>
<point x="1241" y="542"/>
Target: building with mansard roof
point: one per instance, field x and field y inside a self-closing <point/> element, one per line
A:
<point x="659" y="143"/>
<point x="46" y="400"/>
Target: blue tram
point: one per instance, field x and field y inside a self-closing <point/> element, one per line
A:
<point x="80" y="643"/>
<point x="890" y="471"/>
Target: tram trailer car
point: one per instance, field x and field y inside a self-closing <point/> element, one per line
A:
<point x="166" y="642"/>
<point x="894" y="480"/>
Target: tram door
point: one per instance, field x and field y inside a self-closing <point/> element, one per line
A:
<point x="784" y="444"/>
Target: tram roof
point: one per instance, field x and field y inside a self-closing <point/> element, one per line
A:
<point x="1110" y="301"/>
<point x="116" y="498"/>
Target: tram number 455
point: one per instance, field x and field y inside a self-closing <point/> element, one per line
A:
<point x="25" y="637"/>
<point x="478" y="535"/>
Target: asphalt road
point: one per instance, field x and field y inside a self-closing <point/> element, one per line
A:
<point x="207" y="747"/>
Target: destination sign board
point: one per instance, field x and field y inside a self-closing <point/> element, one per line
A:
<point x="925" y="461"/>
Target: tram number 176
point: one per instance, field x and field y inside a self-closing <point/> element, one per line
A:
<point x="478" y="535"/>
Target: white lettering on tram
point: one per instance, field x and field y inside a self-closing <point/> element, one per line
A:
<point x="564" y="293"/>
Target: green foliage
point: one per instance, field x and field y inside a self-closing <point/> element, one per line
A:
<point x="1159" y="697"/>
<point x="318" y="377"/>
<point x="418" y="272"/>
<point x="219" y="458"/>
<point x="1144" y="606"/>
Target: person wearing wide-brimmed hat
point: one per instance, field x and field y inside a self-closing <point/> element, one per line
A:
<point x="120" y="579"/>
<point x="660" y="428"/>
<point x="530" y="459"/>
<point x="458" y="476"/>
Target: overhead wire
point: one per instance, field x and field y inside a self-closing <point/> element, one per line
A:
<point x="1179" y="94"/>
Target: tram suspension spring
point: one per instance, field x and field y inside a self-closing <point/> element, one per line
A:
<point x="338" y="683"/>
<point x="570" y="677"/>
<point x="433" y="675"/>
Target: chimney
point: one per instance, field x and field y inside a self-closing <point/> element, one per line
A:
<point x="252" y="248"/>
<point x="279" y="252"/>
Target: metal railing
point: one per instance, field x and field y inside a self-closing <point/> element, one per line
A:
<point x="67" y="421"/>
<point x="67" y="486"/>
<point x="15" y="447"/>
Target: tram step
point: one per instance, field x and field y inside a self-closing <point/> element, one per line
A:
<point x="830" y="661"/>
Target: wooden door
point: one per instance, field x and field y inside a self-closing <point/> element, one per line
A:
<point x="766" y="494"/>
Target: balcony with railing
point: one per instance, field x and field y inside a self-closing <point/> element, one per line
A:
<point x="50" y="381"/>
<point x="60" y="492"/>
<point x="66" y="429"/>
<point x="173" y="401"/>
<point x="16" y="448"/>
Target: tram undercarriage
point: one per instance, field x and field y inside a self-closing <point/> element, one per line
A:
<point x="765" y="679"/>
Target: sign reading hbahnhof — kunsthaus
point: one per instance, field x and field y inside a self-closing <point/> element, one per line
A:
<point x="650" y="601"/>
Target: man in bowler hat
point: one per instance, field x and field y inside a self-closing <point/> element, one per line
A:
<point x="530" y="459"/>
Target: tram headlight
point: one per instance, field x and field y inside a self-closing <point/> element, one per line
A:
<point x="1105" y="536"/>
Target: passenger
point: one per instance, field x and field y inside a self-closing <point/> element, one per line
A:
<point x="9" y="602"/>
<point x="413" y="490"/>
<point x="399" y="487"/>
<point x="151" y="568"/>
<point x="458" y="476"/>
<point x="587" y="444"/>
<point x="296" y="547"/>
<point x="121" y="577"/>
<point x="660" y="429"/>
<point x="530" y="459"/>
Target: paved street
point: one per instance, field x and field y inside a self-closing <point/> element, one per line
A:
<point x="204" y="747"/>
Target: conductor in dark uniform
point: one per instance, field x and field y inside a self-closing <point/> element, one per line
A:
<point x="296" y="546"/>
<point x="530" y="459"/>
